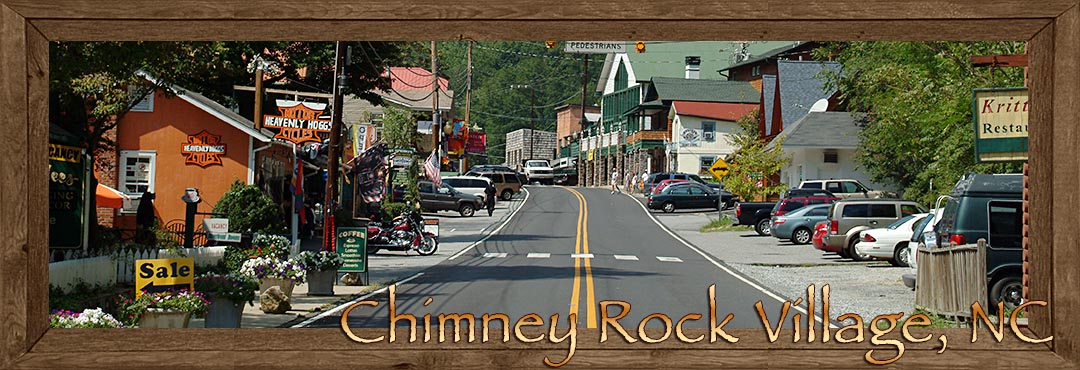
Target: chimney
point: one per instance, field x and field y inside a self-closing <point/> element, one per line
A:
<point x="693" y="67"/>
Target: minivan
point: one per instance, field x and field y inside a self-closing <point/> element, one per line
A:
<point x="989" y="207"/>
<point x="506" y="183"/>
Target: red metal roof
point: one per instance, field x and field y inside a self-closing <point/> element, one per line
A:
<point x="414" y="78"/>
<point x="721" y="111"/>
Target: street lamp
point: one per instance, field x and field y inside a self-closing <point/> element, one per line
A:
<point x="532" y="115"/>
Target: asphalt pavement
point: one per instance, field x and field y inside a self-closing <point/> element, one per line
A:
<point x="566" y="250"/>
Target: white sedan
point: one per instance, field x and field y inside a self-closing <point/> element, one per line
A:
<point x="890" y="242"/>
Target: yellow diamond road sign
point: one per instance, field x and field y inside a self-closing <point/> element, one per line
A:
<point x="719" y="169"/>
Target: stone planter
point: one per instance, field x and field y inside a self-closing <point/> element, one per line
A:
<point x="321" y="282"/>
<point x="164" y="318"/>
<point x="286" y="285"/>
<point x="224" y="313"/>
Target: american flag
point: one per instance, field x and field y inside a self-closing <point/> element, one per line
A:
<point x="431" y="167"/>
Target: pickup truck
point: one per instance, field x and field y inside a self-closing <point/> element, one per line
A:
<point x="756" y="215"/>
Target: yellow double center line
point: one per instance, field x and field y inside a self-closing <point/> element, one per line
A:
<point x="581" y="246"/>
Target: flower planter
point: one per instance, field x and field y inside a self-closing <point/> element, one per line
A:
<point x="321" y="282"/>
<point x="285" y="285"/>
<point x="224" y="313"/>
<point x="164" y="318"/>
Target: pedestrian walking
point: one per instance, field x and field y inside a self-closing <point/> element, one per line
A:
<point x="489" y="198"/>
<point x="644" y="177"/>
<point x="633" y="184"/>
<point x="615" y="182"/>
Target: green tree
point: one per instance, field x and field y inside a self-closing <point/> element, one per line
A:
<point x="918" y="97"/>
<point x="399" y="132"/>
<point x="753" y="163"/>
<point x="248" y="209"/>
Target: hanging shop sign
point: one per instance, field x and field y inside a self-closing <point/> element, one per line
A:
<point x="66" y="196"/>
<point x="203" y="149"/>
<point x="362" y="137"/>
<point x="477" y="142"/>
<point x="299" y="121"/>
<point x="1001" y="124"/>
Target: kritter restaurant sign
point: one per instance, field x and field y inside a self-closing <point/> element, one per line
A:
<point x="1001" y="124"/>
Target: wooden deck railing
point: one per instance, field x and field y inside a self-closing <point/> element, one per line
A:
<point x="950" y="279"/>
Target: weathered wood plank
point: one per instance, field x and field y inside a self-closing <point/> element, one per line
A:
<point x="37" y="263"/>
<point x="63" y="341"/>
<point x="15" y="226"/>
<point x="525" y="9"/>
<point x="533" y="358"/>
<point x="535" y="30"/>
<point x="1040" y="194"/>
<point x="1066" y="175"/>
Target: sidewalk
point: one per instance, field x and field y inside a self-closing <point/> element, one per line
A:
<point x="455" y="233"/>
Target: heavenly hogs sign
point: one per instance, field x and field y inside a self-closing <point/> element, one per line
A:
<point x="299" y="121"/>
<point x="1001" y="124"/>
<point x="203" y="149"/>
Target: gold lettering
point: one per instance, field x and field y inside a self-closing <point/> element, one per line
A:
<point x="531" y="319"/>
<point x="345" y="322"/>
<point x="614" y="321"/>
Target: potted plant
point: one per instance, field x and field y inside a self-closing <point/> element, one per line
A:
<point x="227" y="294"/>
<point x="89" y="318"/>
<point x="271" y="271"/>
<point x="275" y="246"/>
<point x="321" y="270"/>
<point x="169" y="309"/>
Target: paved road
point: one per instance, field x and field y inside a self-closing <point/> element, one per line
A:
<point x="566" y="250"/>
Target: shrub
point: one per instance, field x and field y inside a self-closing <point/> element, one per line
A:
<point x="320" y="261"/>
<point x="273" y="268"/>
<point x="89" y="318"/>
<point x="235" y="287"/>
<point x="392" y="209"/>
<point x="248" y="209"/>
<point x="131" y="310"/>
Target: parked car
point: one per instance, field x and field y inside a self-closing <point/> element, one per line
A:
<point x="798" y="226"/>
<point x="796" y="192"/>
<point x="850" y="216"/>
<point x="918" y="238"/>
<point x="491" y="168"/>
<point x="660" y="185"/>
<point x="820" y="229"/>
<point x="989" y="207"/>
<point x="506" y="183"/>
<point x="686" y="195"/>
<point x="891" y="242"/>
<point x="566" y="176"/>
<point x="845" y="188"/>
<point x="539" y="170"/>
<point x="475" y="185"/>
<point x="656" y="178"/>
<point x="790" y="204"/>
<point x="446" y="198"/>
<point x="755" y="214"/>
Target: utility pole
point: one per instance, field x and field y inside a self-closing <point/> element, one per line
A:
<point x="335" y="139"/>
<point x="258" y="96"/>
<point x="584" y="122"/>
<point x="436" y="128"/>
<point x="468" y="102"/>
<point x="532" y="121"/>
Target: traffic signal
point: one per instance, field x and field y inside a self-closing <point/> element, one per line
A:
<point x="551" y="44"/>
<point x="640" y="47"/>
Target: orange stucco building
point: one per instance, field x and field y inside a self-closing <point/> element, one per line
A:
<point x="169" y="143"/>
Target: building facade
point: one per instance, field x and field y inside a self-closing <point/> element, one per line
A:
<point x="525" y="144"/>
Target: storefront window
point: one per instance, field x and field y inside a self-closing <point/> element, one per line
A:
<point x="137" y="171"/>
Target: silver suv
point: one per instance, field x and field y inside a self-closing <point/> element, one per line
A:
<point x="849" y="217"/>
<point x="845" y="188"/>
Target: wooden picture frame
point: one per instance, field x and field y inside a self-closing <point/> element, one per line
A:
<point x="27" y="26"/>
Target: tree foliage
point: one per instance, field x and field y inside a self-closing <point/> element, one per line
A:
<point x="399" y="131"/>
<point x="753" y="163"/>
<point x="249" y="210"/>
<point x="918" y="96"/>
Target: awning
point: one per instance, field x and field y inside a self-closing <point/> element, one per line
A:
<point x="110" y="198"/>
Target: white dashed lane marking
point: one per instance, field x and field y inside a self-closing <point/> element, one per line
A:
<point x="625" y="257"/>
<point x="581" y="255"/>
<point x="539" y="255"/>
<point x="668" y="259"/>
<point x="494" y="255"/>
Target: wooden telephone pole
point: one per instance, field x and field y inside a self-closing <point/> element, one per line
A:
<point x="335" y="138"/>
<point x="436" y="128"/>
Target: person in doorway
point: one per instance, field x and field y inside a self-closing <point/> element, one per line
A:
<point x="489" y="198"/>
<point x="615" y="182"/>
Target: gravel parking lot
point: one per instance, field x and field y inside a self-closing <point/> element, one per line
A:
<point x="865" y="288"/>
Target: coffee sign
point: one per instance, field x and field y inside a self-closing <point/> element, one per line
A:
<point x="1001" y="124"/>
<point x="203" y="149"/>
<point x="299" y="121"/>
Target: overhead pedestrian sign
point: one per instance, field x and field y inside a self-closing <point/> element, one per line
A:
<point x="719" y="169"/>
<point x="594" y="47"/>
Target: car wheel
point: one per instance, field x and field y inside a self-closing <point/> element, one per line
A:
<point x="763" y="227"/>
<point x="668" y="207"/>
<point x="801" y="235"/>
<point x="901" y="257"/>
<point x="1008" y="290"/>
<point x="854" y="254"/>
<point x="507" y="194"/>
<point x="843" y="253"/>
<point x="467" y="210"/>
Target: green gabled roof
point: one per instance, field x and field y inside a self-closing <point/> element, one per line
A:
<point x="668" y="59"/>
<point x="670" y="89"/>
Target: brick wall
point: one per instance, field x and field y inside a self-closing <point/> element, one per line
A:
<point x="106" y="172"/>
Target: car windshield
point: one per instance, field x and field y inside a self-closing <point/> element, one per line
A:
<point x="899" y="222"/>
<point x="536" y="164"/>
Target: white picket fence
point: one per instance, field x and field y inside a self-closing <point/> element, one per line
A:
<point x="106" y="270"/>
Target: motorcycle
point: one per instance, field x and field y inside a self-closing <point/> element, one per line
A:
<point x="404" y="233"/>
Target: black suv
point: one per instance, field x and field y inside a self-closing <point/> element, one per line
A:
<point x="990" y="207"/>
